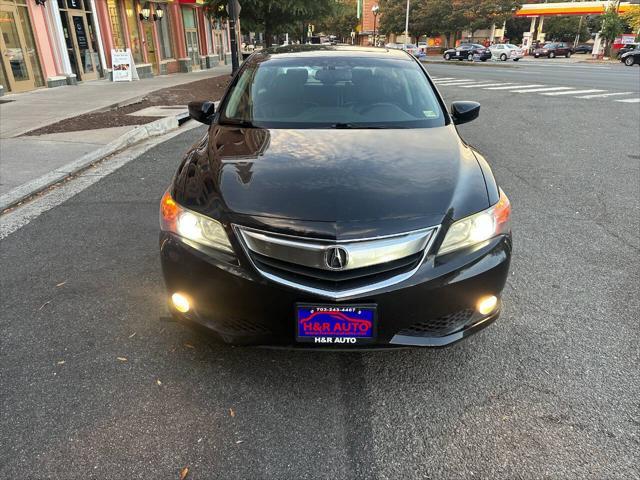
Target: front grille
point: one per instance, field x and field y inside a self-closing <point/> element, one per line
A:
<point x="369" y="263"/>
<point x="439" y="327"/>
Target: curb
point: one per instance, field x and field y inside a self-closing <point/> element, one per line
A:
<point x="142" y="132"/>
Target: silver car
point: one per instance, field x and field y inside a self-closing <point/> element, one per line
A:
<point x="506" y="51"/>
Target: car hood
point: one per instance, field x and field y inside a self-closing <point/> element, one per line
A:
<point x="342" y="177"/>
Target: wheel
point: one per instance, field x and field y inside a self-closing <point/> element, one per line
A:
<point x="516" y="59"/>
<point x="552" y="55"/>
<point x="483" y="59"/>
<point x="568" y="54"/>
<point x="629" y="61"/>
<point x="470" y="57"/>
<point x="537" y="55"/>
<point x="503" y="57"/>
<point x="447" y="56"/>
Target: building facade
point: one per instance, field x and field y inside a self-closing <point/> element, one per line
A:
<point x="48" y="43"/>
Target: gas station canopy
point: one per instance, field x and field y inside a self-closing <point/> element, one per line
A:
<point x="568" y="8"/>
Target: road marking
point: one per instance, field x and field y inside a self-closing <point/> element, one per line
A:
<point x="442" y="79"/>
<point x="514" y="86"/>
<point x="600" y="95"/>
<point x="629" y="100"/>
<point x="573" y="92"/>
<point x="545" y="89"/>
<point x="481" y="85"/>
<point x="449" y="82"/>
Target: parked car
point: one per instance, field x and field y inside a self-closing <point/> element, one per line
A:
<point x="288" y="224"/>
<point x="393" y="46"/>
<point x="583" y="48"/>
<point x="466" y="51"/>
<point x="632" y="57"/>
<point x="422" y="46"/>
<point x="412" y="48"/>
<point x="506" y="51"/>
<point x="627" y="48"/>
<point x="554" y="49"/>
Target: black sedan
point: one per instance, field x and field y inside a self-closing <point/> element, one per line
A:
<point x="332" y="203"/>
<point x="468" y="51"/>
<point x="631" y="57"/>
<point x="583" y="48"/>
<point x="627" y="48"/>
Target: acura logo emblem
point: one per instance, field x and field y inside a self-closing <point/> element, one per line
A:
<point x="336" y="258"/>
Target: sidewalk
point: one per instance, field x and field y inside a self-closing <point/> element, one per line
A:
<point x="30" y="163"/>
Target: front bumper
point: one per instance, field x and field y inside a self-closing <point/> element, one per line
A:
<point x="435" y="307"/>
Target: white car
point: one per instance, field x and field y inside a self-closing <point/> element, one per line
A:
<point x="506" y="51"/>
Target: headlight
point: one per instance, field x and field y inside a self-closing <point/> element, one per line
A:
<point x="478" y="227"/>
<point x="192" y="226"/>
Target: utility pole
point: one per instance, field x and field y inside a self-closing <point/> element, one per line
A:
<point x="406" y="25"/>
<point x="233" y="9"/>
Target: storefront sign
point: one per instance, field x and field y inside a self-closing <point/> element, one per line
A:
<point x="122" y="64"/>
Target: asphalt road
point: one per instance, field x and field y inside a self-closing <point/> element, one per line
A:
<point x="614" y="77"/>
<point x="548" y="391"/>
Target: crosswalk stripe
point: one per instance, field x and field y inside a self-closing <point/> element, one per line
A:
<point x="629" y="100"/>
<point x="482" y="85"/>
<point x="545" y="89"/>
<point x="602" y="95"/>
<point x="442" y="79"/>
<point x="454" y="84"/>
<point x="573" y="92"/>
<point x="446" y="82"/>
<point x="514" y="86"/>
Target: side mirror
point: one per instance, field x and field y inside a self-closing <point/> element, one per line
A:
<point x="202" y="111"/>
<point x="463" y="112"/>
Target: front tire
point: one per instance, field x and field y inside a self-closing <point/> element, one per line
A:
<point x="503" y="57"/>
<point x="552" y="55"/>
<point x="516" y="59"/>
<point x="629" y="61"/>
<point x="447" y="56"/>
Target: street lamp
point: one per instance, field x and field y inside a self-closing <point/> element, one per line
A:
<point x="375" y="9"/>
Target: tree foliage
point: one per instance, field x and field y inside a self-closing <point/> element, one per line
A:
<point x="275" y="17"/>
<point x="341" y="20"/>
<point x="632" y="17"/>
<point x="443" y="17"/>
<point x="612" y="26"/>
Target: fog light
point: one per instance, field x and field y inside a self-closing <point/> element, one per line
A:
<point x="487" y="305"/>
<point x="180" y="302"/>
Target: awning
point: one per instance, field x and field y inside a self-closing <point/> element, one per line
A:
<point x="568" y="8"/>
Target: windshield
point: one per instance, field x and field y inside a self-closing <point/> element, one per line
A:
<point x="332" y="92"/>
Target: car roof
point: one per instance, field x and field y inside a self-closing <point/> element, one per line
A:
<point x="300" y="51"/>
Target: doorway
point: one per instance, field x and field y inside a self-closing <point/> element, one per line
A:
<point x="15" y="54"/>
<point x="79" y="39"/>
<point x="152" y="50"/>
<point x="191" y="36"/>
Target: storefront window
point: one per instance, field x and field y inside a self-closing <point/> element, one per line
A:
<point x="32" y="53"/>
<point x="116" y="25"/>
<point x="164" y="32"/>
<point x="134" y="33"/>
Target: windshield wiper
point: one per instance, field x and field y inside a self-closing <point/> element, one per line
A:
<point x="356" y="126"/>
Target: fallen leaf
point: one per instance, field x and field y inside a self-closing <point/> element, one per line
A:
<point x="44" y="304"/>
<point x="231" y="412"/>
<point x="61" y="362"/>
<point x="132" y="335"/>
<point x="184" y="472"/>
<point x="188" y="345"/>
<point x="122" y="359"/>
<point x="61" y="283"/>
<point x="158" y="382"/>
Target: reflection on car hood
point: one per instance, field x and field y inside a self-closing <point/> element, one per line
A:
<point x="337" y="176"/>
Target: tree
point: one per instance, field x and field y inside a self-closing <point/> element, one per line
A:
<point x="274" y="17"/>
<point x="341" y="20"/>
<point x="565" y="28"/>
<point x="632" y="17"/>
<point x="612" y="26"/>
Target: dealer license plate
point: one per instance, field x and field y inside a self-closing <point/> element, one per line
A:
<point x="335" y="324"/>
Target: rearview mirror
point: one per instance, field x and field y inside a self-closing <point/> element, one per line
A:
<point x="202" y="111"/>
<point x="463" y="112"/>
